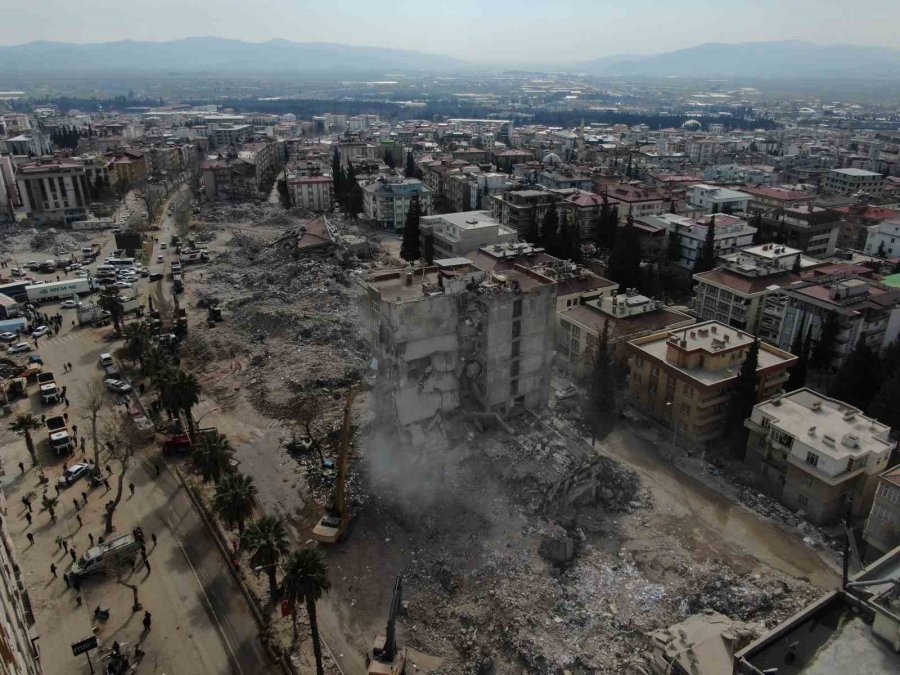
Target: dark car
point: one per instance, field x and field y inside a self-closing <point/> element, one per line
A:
<point x="156" y="276"/>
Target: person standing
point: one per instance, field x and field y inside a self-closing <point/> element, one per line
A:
<point x="21" y="467"/>
<point x="147" y="621"/>
<point x="53" y="570"/>
<point x="30" y="538"/>
<point x="131" y="488"/>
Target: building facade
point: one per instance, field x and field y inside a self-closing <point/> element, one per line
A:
<point x="452" y="235"/>
<point x="882" y="532"/>
<point x="853" y="181"/>
<point x="314" y="193"/>
<point x="54" y="191"/>
<point x="817" y="455"/>
<point x="386" y="201"/>
<point x="883" y="239"/>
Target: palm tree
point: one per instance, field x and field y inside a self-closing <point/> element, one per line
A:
<point x="25" y="424"/>
<point x="234" y="498"/>
<point x="267" y="541"/>
<point x="181" y="393"/>
<point x="137" y="340"/>
<point x="305" y="580"/>
<point x="110" y="301"/>
<point x="212" y="457"/>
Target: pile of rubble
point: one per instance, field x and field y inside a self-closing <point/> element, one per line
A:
<point x="768" y="507"/>
<point x="54" y="241"/>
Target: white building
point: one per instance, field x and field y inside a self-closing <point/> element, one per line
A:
<point x="456" y="234"/>
<point x="851" y="181"/>
<point x="883" y="239"/>
<point x="314" y="193"/>
<point x="386" y="201"/>
<point x="713" y="199"/>
<point x="731" y="234"/>
<point x="231" y="134"/>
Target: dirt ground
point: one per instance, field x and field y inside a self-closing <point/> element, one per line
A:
<point x="495" y="577"/>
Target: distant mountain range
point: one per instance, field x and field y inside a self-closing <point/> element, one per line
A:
<point x="774" y="60"/>
<point x="222" y="57"/>
<point x="211" y="55"/>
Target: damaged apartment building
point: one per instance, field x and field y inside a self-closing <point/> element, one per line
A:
<point x="454" y="336"/>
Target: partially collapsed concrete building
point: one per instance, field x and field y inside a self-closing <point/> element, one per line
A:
<point x="452" y="336"/>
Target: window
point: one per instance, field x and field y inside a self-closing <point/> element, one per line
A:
<point x="516" y="329"/>
<point x="514" y="369"/>
<point x="685" y="409"/>
<point x="812" y="459"/>
<point x="654" y="371"/>
<point x="806" y="481"/>
<point x="802" y="500"/>
<point x="688" y="391"/>
<point x="517" y="308"/>
<point x="515" y="349"/>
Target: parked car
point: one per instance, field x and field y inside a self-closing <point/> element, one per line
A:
<point x="8" y="337"/>
<point x="145" y="272"/>
<point x="74" y="473"/>
<point x="82" y="273"/>
<point x="106" y="359"/>
<point x="16" y="272"/>
<point x="160" y="258"/>
<point x="567" y="391"/>
<point x="35" y="358"/>
<point x="123" y="284"/>
<point x="40" y="331"/>
<point x="70" y="304"/>
<point x="18" y="348"/>
<point x="117" y="386"/>
<point x="156" y="276"/>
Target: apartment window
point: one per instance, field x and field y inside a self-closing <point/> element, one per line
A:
<point x="516" y="329"/>
<point x="812" y="459"/>
<point x="685" y="409"/>
<point x="806" y="481"/>
<point x="802" y="500"/>
<point x="688" y="391"/>
<point x="517" y="308"/>
<point x="514" y="388"/>
<point x="514" y="369"/>
<point x="654" y="371"/>
<point x="515" y="350"/>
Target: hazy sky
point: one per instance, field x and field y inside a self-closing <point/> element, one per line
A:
<point x="511" y="30"/>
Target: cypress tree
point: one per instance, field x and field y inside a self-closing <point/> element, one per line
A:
<point x="706" y="259"/>
<point x="624" y="266"/>
<point x="800" y="349"/>
<point x="743" y="398"/>
<point x="821" y="355"/>
<point x="389" y="159"/>
<point x="337" y="175"/>
<point x="796" y="268"/>
<point x="884" y="406"/>
<point x="410" y="166"/>
<point x="859" y="378"/>
<point x="409" y="249"/>
<point x="549" y="228"/>
<point x="600" y="411"/>
<point x="532" y="235"/>
<point x="573" y="239"/>
<point x="673" y="249"/>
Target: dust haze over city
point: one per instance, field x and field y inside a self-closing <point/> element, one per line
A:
<point x="556" y="337"/>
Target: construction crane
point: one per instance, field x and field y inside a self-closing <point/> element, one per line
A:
<point x="385" y="658"/>
<point x="333" y="524"/>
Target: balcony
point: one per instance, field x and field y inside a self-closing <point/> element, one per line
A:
<point x="707" y="402"/>
<point x="837" y="479"/>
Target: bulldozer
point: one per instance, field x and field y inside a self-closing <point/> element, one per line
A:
<point x="385" y="658"/>
<point x="332" y="526"/>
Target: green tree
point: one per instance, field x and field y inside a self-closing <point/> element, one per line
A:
<point x="305" y="580"/>
<point x="24" y="424"/>
<point x="624" y="266"/>
<point x="410" y="171"/>
<point x="137" y="341"/>
<point x="673" y="248"/>
<point x="822" y="352"/>
<point x="550" y="228"/>
<point x="266" y="540"/>
<point x="884" y="406"/>
<point x="796" y="268"/>
<point x="337" y="175"/>
<point x="349" y="182"/>
<point x="532" y="236"/>
<point x="212" y="457"/>
<point x="389" y="159"/>
<point x="234" y="498"/>
<point x="800" y="349"/>
<point x="110" y="301"/>
<point x="600" y="411"/>
<point x="410" y="248"/>
<point x="743" y="398"/>
<point x="180" y="393"/>
<point x="858" y="378"/>
<point x="706" y="259"/>
<point x="572" y="238"/>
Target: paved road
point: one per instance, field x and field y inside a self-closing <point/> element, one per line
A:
<point x="201" y="623"/>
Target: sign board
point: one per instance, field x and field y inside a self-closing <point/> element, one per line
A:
<point x="84" y="645"/>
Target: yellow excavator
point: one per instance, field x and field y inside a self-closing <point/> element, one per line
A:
<point x="332" y="526"/>
<point x="385" y="658"/>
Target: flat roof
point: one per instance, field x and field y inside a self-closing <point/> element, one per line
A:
<point x="856" y="172"/>
<point x="465" y="220"/>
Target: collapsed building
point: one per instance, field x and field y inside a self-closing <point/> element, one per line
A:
<point x="452" y="336"/>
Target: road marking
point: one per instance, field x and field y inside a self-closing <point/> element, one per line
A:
<point x="212" y="610"/>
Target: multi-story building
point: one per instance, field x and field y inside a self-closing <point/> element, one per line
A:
<point x="735" y="293"/>
<point x="817" y="455"/>
<point x="583" y="210"/>
<point x="684" y="378"/>
<point x="731" y="233"/>
<point x="314" y="193"/>
<point x="452" y="335"/>
<point x="636" y="201"/>
<point x="854" y="181"/>
<point x="33" y="143"/>
<point x="19" y="654"/>
<point x="53" y="191"/>
<point x="713" y="199"/>
<point x="452" y="235"/>
<point x="882" y="532"/>
<point x="521" y="210"/>
<point x="859" y="308"/>
<point x="623" y="317"/>
<point x="225" y="135"/>
<point x="130" y="166"/>
<point x="386" y="201"/>
<point x="812" y="229"/>
<point x="470" y="190"/>
<point x="774" y="199"/>
<point x="883" y="239"/>
<point x="855" y="221"/>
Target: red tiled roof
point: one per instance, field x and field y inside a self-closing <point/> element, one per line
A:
<point x="778" y="193"/>
<point x="620" y="327"/>
<point x="746" y="285"/>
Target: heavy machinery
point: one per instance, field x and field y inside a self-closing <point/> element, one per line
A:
<point x="333" y="524"/>
<point x="385" y="658"/>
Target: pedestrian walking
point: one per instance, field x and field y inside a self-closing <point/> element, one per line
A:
<point x="108" y="470"/>
<point x="82" y="445"/>
<point x="26" y="503"/>
<point x="74" y="429"/>
<point x="43" y="419"/>
<point x="91" y="538"/>
<point x="53" y="570"/>
<point x="72" y="553"/>
<point x="58" y="541"/>
<point x="30" y="538"/>
<point x="70" y="367"/>
<point x="28" y="517"/>
<point x="84" y="497"/>
<point x="147" y="621"/>
<point x="153" y="537"/>
<point x="66" y="579"/>
<point x="131" y="488"/>
<point x="21" y="467"/>
<point x="75" y="502"/>
<point x="106" y="483"/>
<point x="65" y="546"/>
<point x="64" y="393"/>
<point x="66" y="417"/>
<point x="56" y="487"/>
<point x="66" y="400"/>
<point x="147" y="563"/>
<point x="78" y="518"/>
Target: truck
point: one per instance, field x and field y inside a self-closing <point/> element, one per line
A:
<point x="93" y="315"/>
<point x="106" y="556"/>
<point x="178" y="283"/>
<point x="177" y="441"/>
<point x="55" y="290"/>
<point x="193" y="255"/>
<point x="15" y="289"/>
<point x="59" y="435"/>
<point x="49" y="391"/>
<point x="17" y="388"/>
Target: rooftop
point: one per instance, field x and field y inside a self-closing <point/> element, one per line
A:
<point x="625" y="320"/>
<point x="747" y="281"/>
<point x="839" y="430"/>
<point x="857" y="172"/>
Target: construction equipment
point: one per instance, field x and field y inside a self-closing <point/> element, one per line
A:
<point x="333" y="524"/>
<point x="385" y="658"/>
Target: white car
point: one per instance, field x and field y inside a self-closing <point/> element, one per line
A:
<point x="73" y="473"/>
<point x="123" y="284"/>
<point x="159" y="258"/>
<point x="16" y="272"/>
<point x="8" y="337"/>
<point x="70" y="304"/>
<point x="40" y="331"/>
<point x="117" y="386"/>
<point x="19" y="347"/>
<point x="82" y="273"/>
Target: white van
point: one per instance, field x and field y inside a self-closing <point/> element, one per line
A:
<point x="108" y="555"/>
<point x="106" y="359"/>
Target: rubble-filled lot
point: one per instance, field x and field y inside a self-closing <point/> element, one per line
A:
<point x="520" y="552"/>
